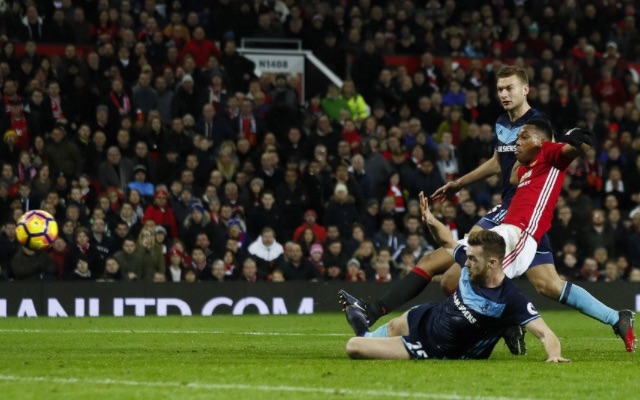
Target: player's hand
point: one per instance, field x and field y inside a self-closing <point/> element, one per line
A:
<point x="579" y="136"/>
<point x="427" y="216"/>
<point x="449" y="188"/>
<point x="558" y="360"/>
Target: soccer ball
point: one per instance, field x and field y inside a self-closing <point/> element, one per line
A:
<point x="36" y="230"/>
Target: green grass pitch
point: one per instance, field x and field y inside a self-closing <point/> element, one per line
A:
<point x="289" y="357"/>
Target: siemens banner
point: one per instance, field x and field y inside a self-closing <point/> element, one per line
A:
<point x="80" y="299"/>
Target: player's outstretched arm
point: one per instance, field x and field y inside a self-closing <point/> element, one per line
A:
<point x="485" y="170"/>
<point x="549" y="339"/>
<point x="438" y="230"/>
<point x="578" y="141"/>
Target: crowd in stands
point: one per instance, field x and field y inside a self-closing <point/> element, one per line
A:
<point x="164" y="158"/>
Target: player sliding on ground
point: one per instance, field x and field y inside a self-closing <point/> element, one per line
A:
<point x="469" y="323"/>
<point x="539" y="175"/>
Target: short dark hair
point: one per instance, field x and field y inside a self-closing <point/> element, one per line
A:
<point x="543" y="126"/>
<point x="492" y="244"/>
<point x="198" y="248"/>
<point x="129" y="239"/>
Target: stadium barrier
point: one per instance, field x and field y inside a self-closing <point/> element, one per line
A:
<point x="80" y="299"/>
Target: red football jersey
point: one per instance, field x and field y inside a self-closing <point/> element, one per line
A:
<point x="540" y="183"/>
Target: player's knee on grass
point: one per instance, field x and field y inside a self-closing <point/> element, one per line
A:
<point x="354" y="348"/>
<point x="546" y="281"/>
<point x="398" y="326"/>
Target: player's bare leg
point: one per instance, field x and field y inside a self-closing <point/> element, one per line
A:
<point x="547" y="282"/>
<point x="388" y="348"/>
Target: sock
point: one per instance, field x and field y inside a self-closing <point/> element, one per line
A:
<point x="380" y="332"/>
<point x="578" y="298"/>
<point x="402" y="291"/>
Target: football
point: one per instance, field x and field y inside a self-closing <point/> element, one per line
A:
<point x="36" y="230"/>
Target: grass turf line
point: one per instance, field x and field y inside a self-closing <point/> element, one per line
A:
<point x="287" y="357"/>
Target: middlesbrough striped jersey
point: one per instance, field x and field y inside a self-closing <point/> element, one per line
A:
<point x="539" y="185"/>
<point x="470" y="322"/>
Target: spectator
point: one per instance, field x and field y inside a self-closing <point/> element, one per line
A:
<point x="578" y="202"/>
<point x="32" y="25"/>
<point x="160" y="213"/>
<point x="186" y="100"/>
<point x="39" y="113"/>
<point x="214" y="126"/>
<point x="239" y="68"/>
<point x="366" y="69"/>
<point x="291" y="200"/>
<point x="389" y="236"/>
<point x="164" y="99"/>
<point x="354" y="272"/>
<point x="334" y="104"/>
<point x="175" y="270"/>
<point x="447" y="164"/>
<point x="267" y="253"/>
<point x="375" y="166"/>
<point x="231" y="265"/>
<point x="200" y="48"/>
<point x="129" y="260"/>
<point x="17" y="126"/>
<point x="81" y="248"/>
<point x="336" y="255"/>
<point x="145" y="97"/>
<point x="382" y="271"/>
<point x="298" y="267"/>
<point x="199" y="264"/>
<point x="358" y="107"/>
<point x="115" y="171"/>
<point x="140" y="183"/>
<point x="199" y="221"/>
<point x="455" y="125"/>
<point x="597" y="234"/>
<point x="426" y="178"/>
<point x="589" y="271"/>
<point x="250" y="272"/>
<point x="217" y="271"/>
<point x="341" y="210"/>
<point x="282" y="94"/>
<point x="269" y="170"/>
<point x="149" y="254"/>
<point x="609" y="89"/>
<point x="58" y="254"/>
<point x="57" y="29"/>
<point x="8" y="149"/>
<point x="319" y="232"/>
<point x="99" y="239"/>
<point x="387" y="94"/>
<point x="112" y="272"/>
<point x="454" y="96"/>
<point x="81" y="271"/>
<point x="27" y="264"/>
